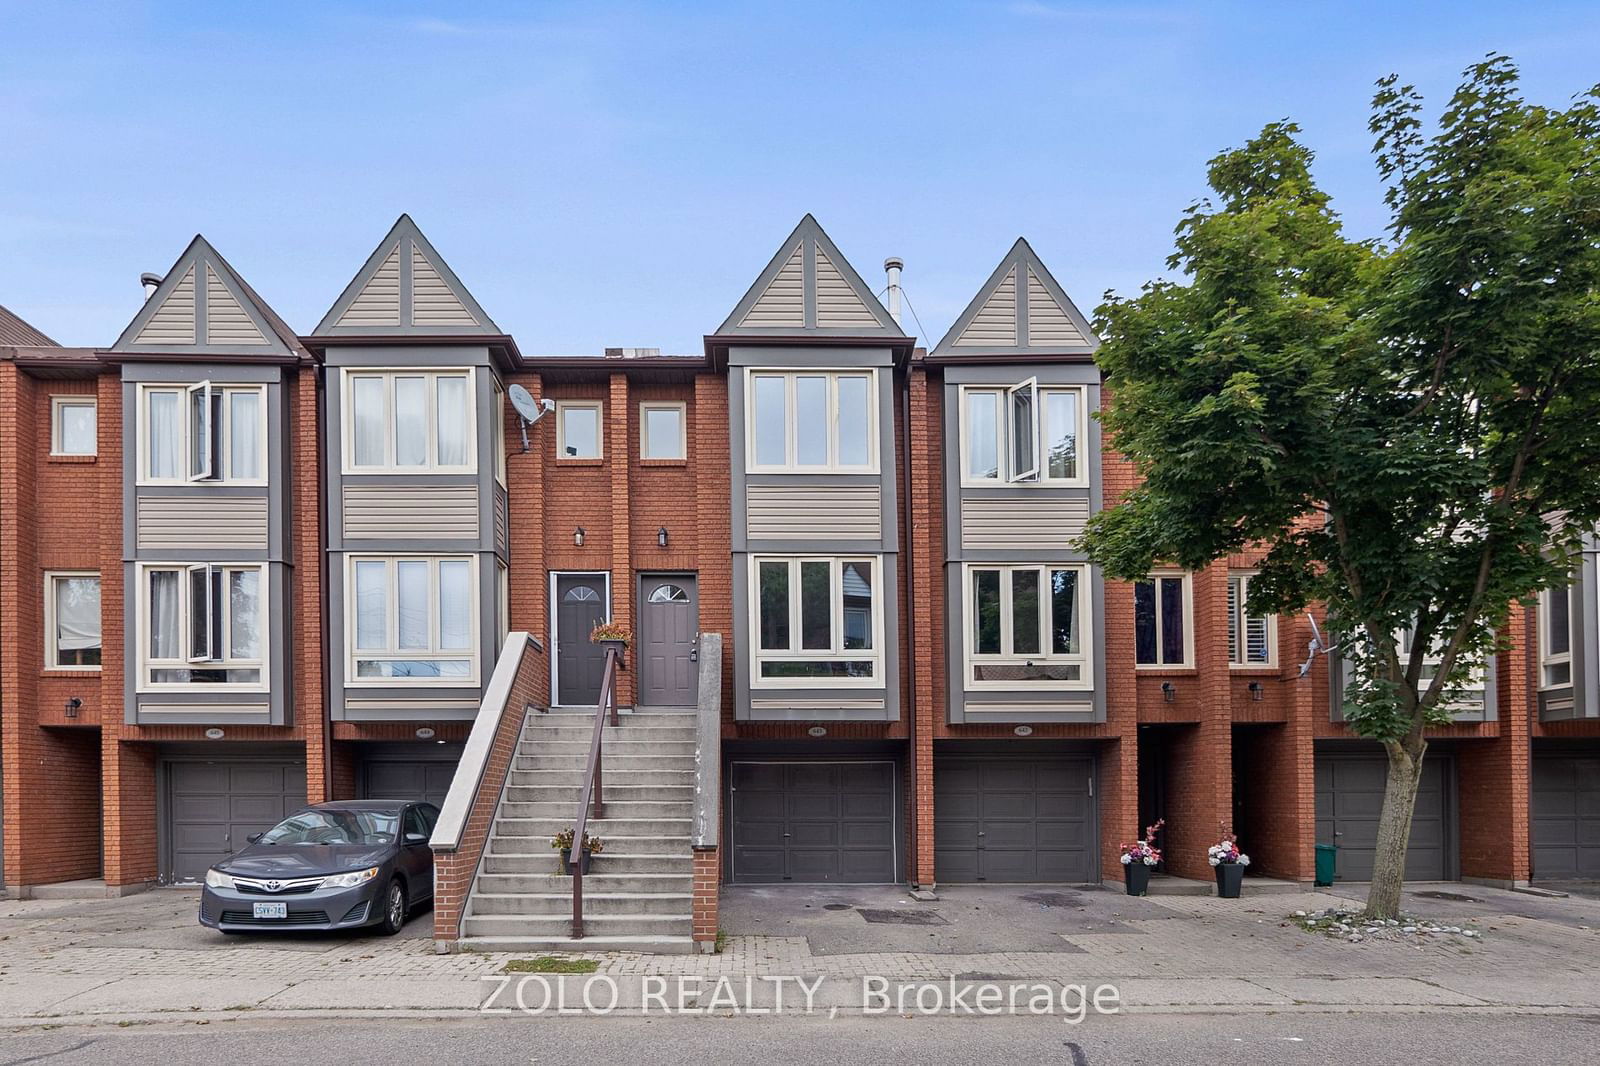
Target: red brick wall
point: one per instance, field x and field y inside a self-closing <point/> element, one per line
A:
<point x="707" y="889"/>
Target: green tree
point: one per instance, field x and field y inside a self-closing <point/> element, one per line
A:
<point x="1409" y="427"/>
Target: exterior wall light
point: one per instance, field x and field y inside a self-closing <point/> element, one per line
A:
<point x="577" y="536"/>
<point x="661" y="536"/>
<point x="1169" y="693"/>
<point x="1258" y="691"/>
<point x="72" y="707"/>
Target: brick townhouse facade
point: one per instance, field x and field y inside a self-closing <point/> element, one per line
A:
<point x="244" y="568"/>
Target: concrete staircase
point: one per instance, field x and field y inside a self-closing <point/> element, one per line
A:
<point x="637" y="895"/>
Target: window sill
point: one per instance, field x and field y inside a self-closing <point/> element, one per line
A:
<point x="1158" y="670"/>
<point x="70" y="671"/>
<point x="1260" y="669"/>
<point x="70" y="459"/>
<point x="663" y="462"/>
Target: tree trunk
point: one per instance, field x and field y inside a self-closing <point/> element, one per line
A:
<point x="1394" y="826"/>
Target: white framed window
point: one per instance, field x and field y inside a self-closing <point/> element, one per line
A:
<point x="811" y="421"/>
<point x="72" y="620"/>
<point x="580" y="429"/>
<point x="1163" y="620"/>
<point x="409" y="420"/>
<point x="499" y="434"/>
<point x="73" y="425"/>
<point x="662" y="431"/>
<point x="203" y="624"/>
<point x="1470" y="698"/>
<point x="1027" y="626"/>
<point x="816" y="621"/>
<point x="204" y="432"/>
<point x="1252" y="635"/>
<point x="1023" y="433"/>
<point x="1555" y="638"/>
<point x="411" y="619"/>
<point x="502" y="606"/>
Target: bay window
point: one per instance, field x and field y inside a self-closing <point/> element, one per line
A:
<point x="818" y="620"/>
<point x="804" y="420"/>
<point x="1027" y="626"/>
<point x="1252" y="636"/>
<point x="1469" y="697"/>
<point x="205" y="624"/>
<point x="1161" y="621"/>
<point x="1555" y="637"/>
<point x="203" y="433"/>
<point x="412" y="618"/>
<point x="409" y="420"/>
<point x="1022" y="433"/>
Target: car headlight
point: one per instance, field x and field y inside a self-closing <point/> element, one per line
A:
<point x="351" y="879"/>
<point x="218" y="879"/>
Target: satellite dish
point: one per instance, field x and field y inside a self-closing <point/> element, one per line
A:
<point x="528" y="409"/>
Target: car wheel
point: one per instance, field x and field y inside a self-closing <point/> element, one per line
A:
<point x="394" y="908"/>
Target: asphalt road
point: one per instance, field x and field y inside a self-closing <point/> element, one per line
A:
<point x="1259" y="1040"/>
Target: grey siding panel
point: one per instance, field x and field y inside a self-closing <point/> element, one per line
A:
<point x="783" y="304"/>
<point x="820" y="512"/>
<point x="202" y="521"/>
<point x="433" y="302"/>
<point x="838" y="306"/>
<point x="226" y="320"/>
<point x="378" y="304"/>
<point x="174" y="323"/>
<point x="410" y="512"/>
<point x="1048" y="323"/>
<point x="996" y="322"/>
<point x="1029" y="523"/>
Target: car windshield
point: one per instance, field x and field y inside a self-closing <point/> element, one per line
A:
<point x="334" y="827"/>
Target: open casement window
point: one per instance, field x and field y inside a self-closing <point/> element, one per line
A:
<point x="1555" y="638"/>
<point x="1026" y="627"/>
<point x="205" y="624"/>
<point x="1161" y="622"/>
<point x="412" y="620"/>
<point x="1251" y="635"/>
<point x="811" y="421"/>
<point x="1022" y="430"/>
<point x="818" y="621"/>
<point x="201" y="425"/>
<point x="203" y="433"/>
<point x="1470" y="697"/>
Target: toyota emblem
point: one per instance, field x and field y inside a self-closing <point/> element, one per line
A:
<point x="273" y="886"/>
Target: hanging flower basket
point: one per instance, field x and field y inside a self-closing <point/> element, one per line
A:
<point x="613" y="635"/>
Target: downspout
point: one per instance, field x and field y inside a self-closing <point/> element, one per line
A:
<point x="910" y="592"/>
<point x="319" y="375"/>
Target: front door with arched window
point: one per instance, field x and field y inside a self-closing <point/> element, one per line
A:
<point x="580" y="663"/>
<point x="667" y="652"/>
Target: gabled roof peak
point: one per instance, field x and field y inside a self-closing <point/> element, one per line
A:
<point x="1020" y="310"/>
<point x="406" y="288"/>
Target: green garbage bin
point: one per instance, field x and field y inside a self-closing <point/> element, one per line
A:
<point x="1327" y="863"/>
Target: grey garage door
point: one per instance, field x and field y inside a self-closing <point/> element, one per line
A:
<point x="1566" y="816"/>
<point x="1008" y="818"/>
<point x="426" y="780"/>
<point x="1350" y="799"/>
<point x="213" y="807"/>
<point x="810" y="822"/>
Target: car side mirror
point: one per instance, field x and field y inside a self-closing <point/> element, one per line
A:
<point x="253" y="837"/>
<point x="416" y="838"/>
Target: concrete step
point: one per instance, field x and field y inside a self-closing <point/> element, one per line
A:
<point x="559" y="926"/>
<point x="595" y="881"/>
<point x="522" y="858"/>
<point x="595" y="904"/>
<point x="609" y="748"/>
<point x="594" y="945"/>
<point x="603" y="827"/>
<point x="620" y="763"/>
<point x="628" y="809"/>
<point x="613" y="793"/>
<point x="626" y="778"/>
<point x="616" y="843"/>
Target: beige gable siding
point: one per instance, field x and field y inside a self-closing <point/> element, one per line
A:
<point x="838" y="304"/>
<point x="1047" y="321"/>
<point x="784" y="302"/>
<point x="226" y="321"/>
<point x="813" y="512"/>
<point x="201" y="521"/>
<point x="433" y="302"/>
<point x="378" y="303"/>
<point x="435" y="512"/>
<point x="173" y="322"/>
<point x="1006" y="523"/>
<point x="996" y="321"/>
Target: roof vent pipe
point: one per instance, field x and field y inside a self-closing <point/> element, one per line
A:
<point x="892" y="266"/>
<point x="151" y="283"/>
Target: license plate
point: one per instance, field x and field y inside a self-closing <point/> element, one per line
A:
<point x="272" y="910"/>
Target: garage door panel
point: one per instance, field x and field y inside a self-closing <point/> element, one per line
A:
<point x="1566" y="816"/>
<point x="251" y="778"/>
<point x="1035" y="818"/>
<point x="1349" y="803"/>
<point x="1547" y="804"/>
<point x="213" y="807"/>
<point x="198" y="777"/>
<point x="256" y="808"/>
<point x="812" y="822"/>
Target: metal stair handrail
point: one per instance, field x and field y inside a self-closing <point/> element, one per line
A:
<point x="592" y="786"/>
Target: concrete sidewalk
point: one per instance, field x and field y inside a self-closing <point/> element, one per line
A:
<point x="144" y="957"/>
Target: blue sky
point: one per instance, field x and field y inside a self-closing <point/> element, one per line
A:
<point x="604" y="174"/>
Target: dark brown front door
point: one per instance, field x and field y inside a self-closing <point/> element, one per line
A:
<point x="580" y="663"/>
<point x="669" y="620"/>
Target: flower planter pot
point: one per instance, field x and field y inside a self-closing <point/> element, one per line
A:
<point x="566" y="861"/>
<point x="1137" y="877"/>
<point x="1230" y="879"/>
<point x="622" y="650"/>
